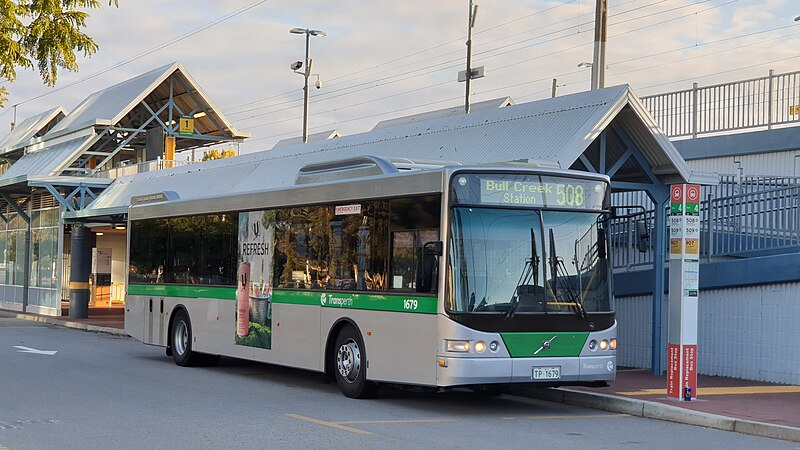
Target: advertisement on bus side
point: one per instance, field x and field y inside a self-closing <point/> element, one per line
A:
<point x="254" y="288"/>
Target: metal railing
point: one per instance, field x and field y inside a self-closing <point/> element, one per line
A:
<point x="751" y="222"/>
<point x="755" y="103"/>
<point x="740" y="216"/>
<point x="133" y="169"/>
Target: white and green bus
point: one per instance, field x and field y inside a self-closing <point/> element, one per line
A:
<point x="371" y="270"/>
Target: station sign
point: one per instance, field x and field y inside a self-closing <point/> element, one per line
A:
<point x="186" y="126"/>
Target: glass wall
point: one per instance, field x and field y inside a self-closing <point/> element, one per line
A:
<point x="44" y="248"/>
<point x="43" y="257"/>
<point x="12" y="243"/>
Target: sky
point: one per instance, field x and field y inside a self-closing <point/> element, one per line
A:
<point x="385" y="59"/>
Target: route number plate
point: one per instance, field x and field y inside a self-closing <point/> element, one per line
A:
<point x="546" y="373"/>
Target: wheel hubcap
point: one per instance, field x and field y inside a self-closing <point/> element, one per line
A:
<point x="181" y="337"/>
<point x="348" y="360"/>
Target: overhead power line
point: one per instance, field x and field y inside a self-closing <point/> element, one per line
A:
<point x="149" y="51"/>
<point x="449" y="64"/>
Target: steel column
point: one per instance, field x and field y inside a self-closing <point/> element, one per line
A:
<point x="81" y="265"/>
<point x="660" y="197"/>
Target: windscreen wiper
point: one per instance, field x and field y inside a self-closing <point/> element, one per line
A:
<point x="556" y="266"/>
<point x="529" y="272"/>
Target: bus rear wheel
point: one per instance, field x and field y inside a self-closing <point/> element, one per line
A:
<point x="181" y="341"/>
<point x="351" y="365"/>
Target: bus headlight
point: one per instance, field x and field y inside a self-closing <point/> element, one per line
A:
<point x="494" y="345"/>
<point x="593" y="345"/>
<point x="613" y="344"/>
<point x="456" y="346"/>
<point x="603" y="344"/>
<point x="480" y="346"/>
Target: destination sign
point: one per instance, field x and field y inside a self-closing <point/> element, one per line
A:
<point x="537" y="191"/>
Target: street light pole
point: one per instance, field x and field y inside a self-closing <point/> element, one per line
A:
<point x="305" y="88"/>
<point x="306" y="72"/>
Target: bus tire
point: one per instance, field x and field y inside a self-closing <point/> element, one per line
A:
<point x="181" y="341"/>
<point x="350" y="365"/>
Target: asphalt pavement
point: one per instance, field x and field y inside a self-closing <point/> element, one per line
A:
<point x="755" y="408"/>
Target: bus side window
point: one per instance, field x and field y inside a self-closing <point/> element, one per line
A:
<point x="407" y="254"/>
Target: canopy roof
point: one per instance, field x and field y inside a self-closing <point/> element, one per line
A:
<point x="494" y="103"/>
<point x="321" y="136"/>
<point x="32" y="127"/>
<point x="562" y="132"/>
<point x="114" y="104"/>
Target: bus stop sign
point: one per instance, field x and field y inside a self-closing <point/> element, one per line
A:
<point x="684" y="271"/>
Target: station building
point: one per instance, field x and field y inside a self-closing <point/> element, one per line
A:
<point x="60" y="161"/>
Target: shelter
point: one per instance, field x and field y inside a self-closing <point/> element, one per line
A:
<point x="605" y="131"/>
<point x="61" y="161"/>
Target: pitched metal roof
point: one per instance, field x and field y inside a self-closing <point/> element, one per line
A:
<point x="29" y="128"/>
<point x="50" y="160"/>
<point x="494" y="103"/>
<point x="109" y="106"/>
<point x="321" y="136"/>
<point x="555" y="130"/>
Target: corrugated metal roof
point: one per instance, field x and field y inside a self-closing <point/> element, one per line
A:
<point x="494" y="103"/>
<point x="110" y="105"/>
<point x="556" y="130"/>
<point x="29" y="128"/>
<point x="324" y="135"/>
<point x="48" y="161"/>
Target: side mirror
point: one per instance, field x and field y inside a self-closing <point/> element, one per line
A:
<point x="642" y="236"/>
<point x="427" y="265"/>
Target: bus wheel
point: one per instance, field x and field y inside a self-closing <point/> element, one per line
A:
<point x="181" y="341"/>
<point x="351" y="365"/>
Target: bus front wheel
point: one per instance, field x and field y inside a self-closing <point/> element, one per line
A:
<point x="351" y="365"/>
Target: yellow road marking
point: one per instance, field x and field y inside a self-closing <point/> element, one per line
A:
<point x="359" y="422"/>
<point x="328" y="424"/>
<point x="741" y="390"/>
<point x="589" y="416"/>
<point x="3" y="447"/>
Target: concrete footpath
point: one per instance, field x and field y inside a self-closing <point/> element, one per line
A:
<point x="743" y="406"/>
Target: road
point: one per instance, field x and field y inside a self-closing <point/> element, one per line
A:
<point x="105" y="392"/>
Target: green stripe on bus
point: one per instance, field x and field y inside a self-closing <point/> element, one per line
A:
<point x="172" y="290"/>
<point x="526" y="345"/>
<point x="397" y="303"/>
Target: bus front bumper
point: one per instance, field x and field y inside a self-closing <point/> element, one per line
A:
<point x="476" y="371"/>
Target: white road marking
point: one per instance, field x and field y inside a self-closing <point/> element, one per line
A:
<point x="21" y="349"/>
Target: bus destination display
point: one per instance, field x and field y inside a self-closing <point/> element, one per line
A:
<point x="533" y="191"/>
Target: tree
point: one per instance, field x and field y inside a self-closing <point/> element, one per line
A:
<point x="44" y="33"/>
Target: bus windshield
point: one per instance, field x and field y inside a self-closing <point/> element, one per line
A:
<point x="530" y="261"/>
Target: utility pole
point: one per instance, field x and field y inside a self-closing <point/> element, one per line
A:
<point x="600" y="34"/>
<point x="555" y="86"/>
<point x="473" y="10"/>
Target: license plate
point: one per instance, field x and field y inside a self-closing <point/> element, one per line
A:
<point x="546" y="373"/>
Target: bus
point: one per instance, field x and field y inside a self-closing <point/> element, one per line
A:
<point x="375" y="270"/>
